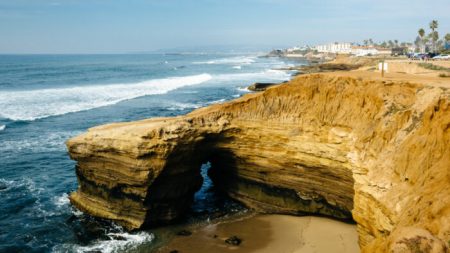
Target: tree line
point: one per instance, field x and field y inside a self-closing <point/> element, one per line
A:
<point x="424" y="43"/>
<point x="430" y="42"/>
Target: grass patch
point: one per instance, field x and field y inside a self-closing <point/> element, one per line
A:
<point x="328" y="67"/>
<point x="444" y="75"/>
<point x="433" y="67"/>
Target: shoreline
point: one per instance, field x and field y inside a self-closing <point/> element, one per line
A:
<point x="334" y="145"/>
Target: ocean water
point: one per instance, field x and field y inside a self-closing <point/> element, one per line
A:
<point x="46" y="99"/>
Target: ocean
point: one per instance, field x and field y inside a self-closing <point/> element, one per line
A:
<point x="47" y="99"/>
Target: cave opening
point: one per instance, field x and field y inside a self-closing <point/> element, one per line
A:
<point x="209" y="200"/>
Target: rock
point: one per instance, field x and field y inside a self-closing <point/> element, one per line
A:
<point x="260" y="86"/>
<point x="174" y="251"/>
<point x="184" y="233"/>
<point x="327" y="67"/>
<point x="117" y="237"/>
<point x="234" y="240"/>
<point x="334" y="146"/>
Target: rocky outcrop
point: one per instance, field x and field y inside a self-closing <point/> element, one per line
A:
<point x="261" y="86"/>
<point x="374" y="151"/>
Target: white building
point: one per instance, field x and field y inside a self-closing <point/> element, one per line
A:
<point x="337" y="48"/>
<point x="363" y="50"/>
<point x="369" y="50"/>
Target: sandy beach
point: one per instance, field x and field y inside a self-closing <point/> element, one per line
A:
<point x="270" y="233"/>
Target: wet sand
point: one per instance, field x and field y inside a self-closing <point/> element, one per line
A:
<point x="269" y="234"/>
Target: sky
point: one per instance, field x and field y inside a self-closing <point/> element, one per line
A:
<point x="125" y="26"/>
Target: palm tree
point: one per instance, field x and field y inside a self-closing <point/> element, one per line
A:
<point x="421" y="35"/>
<point x="396" y="43"/>
<point x="391" y="43"/>
<point x="418" y="44"/>
<point x="433" y="27"/>
<point x="447" y="40"/>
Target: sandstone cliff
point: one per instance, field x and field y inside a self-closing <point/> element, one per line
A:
<point x="375" y="151"/>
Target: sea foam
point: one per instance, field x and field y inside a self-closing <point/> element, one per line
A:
<point x="267" y="75"/>
<point x="118" y="242"/>
<point x="2" y="127"/>
<point x="49" y="142"/>
<point x="243" y="60"/>
<point x="36" y="104"/>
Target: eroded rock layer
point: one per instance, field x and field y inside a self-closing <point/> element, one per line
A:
<point x="377" y="152"/>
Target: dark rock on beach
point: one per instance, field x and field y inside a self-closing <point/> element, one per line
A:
<point x="234" y="240"/>
<point x="184" y="233"/>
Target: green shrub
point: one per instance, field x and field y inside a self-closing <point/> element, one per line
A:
<point x="433" y="67"/>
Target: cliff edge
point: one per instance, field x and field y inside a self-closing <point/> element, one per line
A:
<point x="377" y="152"/>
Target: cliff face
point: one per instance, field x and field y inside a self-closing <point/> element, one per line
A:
<point x="341" y="147"/>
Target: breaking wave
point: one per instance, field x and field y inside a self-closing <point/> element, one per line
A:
<point x="268" y="75"/>
<point x="36" y="104"/>
<point x="116" y="242"/>
<point x="242" y="60"/>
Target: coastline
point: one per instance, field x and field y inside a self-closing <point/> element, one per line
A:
<point x="332" y="155"/>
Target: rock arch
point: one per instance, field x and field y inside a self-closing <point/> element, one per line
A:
<point x="375" y="151"/>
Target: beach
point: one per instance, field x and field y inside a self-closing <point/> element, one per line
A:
<point x="270" y="233"/>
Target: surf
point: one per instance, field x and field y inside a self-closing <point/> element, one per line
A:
<point x="30" y="105"/>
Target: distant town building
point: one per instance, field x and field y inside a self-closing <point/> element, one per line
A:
<point x="370" y="50"/>
<point x="363" y="50"/>
<point x="337" y="48"/>
<point x="384" y="51"/>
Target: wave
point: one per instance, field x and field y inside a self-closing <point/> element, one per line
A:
<point x="237" y="67"/>
<point x="243" y="60"/>
<point x="117" y="242"/>
<point x="61" y="201"/>
<point x="216" y="101"/>
<point x="50" y="142"/>
<point x="2" y="127"/>
<point x="268" y="75"/>
<point x="36" y="104"/>
<point x="243" y="89"/>
<point x="182" y="106"/>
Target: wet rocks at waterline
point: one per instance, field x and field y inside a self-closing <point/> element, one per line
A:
<point x="341" y="147"/>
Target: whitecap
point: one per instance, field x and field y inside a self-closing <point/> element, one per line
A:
<point x="26" y="183"/>
<point x="61" y="201"/>
<point x="243" y="89"/>
<point x="54" y="141"/>
<point x="2" y="127"/>
<point x="243" y="60"/>
<point x="182" y="106"/>
<point x="36" y="104"/>
<point x="77" y="212"/>
<point x="216" y="101"/>
<point x="237" y="67"/>
<point x="267" y="75"/>
<point x="118" y="242"/>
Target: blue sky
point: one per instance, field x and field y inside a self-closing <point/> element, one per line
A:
<point x="118" y="26"/>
